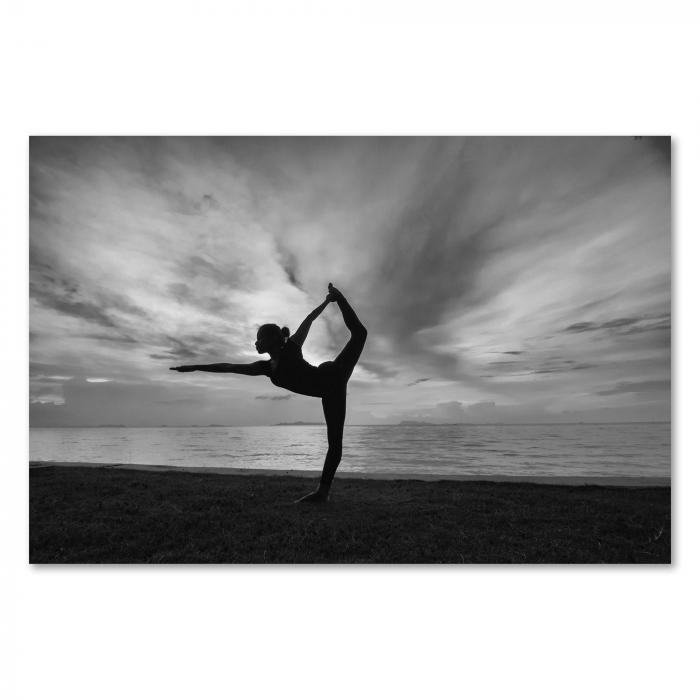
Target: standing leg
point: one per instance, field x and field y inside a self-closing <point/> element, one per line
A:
<point x="334" y="413"/>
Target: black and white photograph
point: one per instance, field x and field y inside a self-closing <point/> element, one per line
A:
<point x="350" y="349"/>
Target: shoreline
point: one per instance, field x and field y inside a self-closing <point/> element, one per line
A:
<point x="618" y="481"/>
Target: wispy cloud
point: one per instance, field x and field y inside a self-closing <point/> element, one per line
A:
<point x="552" y="253"/>
<point x="419" y="381"/>
<point x="638" y="387"/>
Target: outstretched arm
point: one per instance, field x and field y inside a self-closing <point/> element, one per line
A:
<point x="300" y="336"/>
<point x="253" y="369"/>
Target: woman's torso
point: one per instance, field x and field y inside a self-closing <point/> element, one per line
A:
<point x="292" y="372"/>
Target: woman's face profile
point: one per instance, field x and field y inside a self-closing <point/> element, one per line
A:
<point x="262" y="343"/>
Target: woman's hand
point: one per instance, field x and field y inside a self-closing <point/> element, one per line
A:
<point x="185" y="368"/>
<point x="333" y="293"/>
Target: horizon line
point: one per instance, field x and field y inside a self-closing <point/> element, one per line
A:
<point x="350" y="425"/>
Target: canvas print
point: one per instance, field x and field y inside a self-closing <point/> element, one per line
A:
<point x="350" y="349"/>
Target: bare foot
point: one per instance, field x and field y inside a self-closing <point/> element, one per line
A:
<point x="317" y="496"/>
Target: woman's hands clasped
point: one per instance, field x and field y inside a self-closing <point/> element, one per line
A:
<point x="333" y="293"/>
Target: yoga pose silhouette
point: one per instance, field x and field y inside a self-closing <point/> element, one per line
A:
<point x="288" y="369"/>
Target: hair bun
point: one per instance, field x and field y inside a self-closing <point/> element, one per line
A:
<point x="285" y="332"/>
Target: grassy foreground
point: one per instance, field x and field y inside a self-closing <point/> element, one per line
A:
<point x="93" y="515"/>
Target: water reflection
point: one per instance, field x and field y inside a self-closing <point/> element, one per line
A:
<point x="562" y="450"/>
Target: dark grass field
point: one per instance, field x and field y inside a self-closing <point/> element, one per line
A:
<point x="95" y="515"/>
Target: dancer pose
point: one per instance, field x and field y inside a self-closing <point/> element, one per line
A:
<point x="288" y="369"/>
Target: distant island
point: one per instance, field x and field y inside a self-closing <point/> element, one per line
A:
<point x="403" y="423"/>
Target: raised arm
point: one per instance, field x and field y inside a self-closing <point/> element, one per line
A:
<point x="300" y="336"/>
<point x="253" y="369"/>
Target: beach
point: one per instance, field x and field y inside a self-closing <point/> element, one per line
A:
<point x="155" y="514"/>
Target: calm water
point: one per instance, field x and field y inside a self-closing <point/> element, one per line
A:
<point x="641" y="449"/>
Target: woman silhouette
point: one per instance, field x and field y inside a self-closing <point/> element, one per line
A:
<point x="287" y="368"/>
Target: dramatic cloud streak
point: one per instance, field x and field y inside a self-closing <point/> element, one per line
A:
<point x="512" y="279"/>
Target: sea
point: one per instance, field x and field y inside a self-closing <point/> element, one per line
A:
<point x="555" y="450"/>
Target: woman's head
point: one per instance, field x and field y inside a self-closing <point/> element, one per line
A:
<point x="271" y="337"/>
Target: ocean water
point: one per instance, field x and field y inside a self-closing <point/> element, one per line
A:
<point x="620" y="449"/>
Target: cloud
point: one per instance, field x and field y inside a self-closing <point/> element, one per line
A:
<point x="182" y="400"/>
<point x="581" y="327"/>
<point x="568" y="366"/>
<point x="120" y="338"/>
<point x="190" y="346"/>
<point x="418" y="381"/>
<point x="275" y="397"/>
<point x="180" y="203"/>
<point x="654" y="385"/>
<point x="226" y="274"/>
<point x="487" y="412"/>
<point x="382" y="369"/>
<point x="490" y="412"/>
<point x="536" y="363"/>
<point x="85" y="310"/>
<point x="290" y="265"/>
<point x="149" y="251"/>
<point x="46" y="398"/>
<point x="184" y="294"/>
<point x="623" y="325"/>
<point x="45" y="388"/>
<point x="182" y="350"/>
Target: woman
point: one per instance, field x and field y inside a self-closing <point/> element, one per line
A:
<point x="287" y="368"/>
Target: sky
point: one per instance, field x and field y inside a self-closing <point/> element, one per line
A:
<point x="501" y="279"/>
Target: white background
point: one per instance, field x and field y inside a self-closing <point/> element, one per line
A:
<point x="347" y="68"/>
